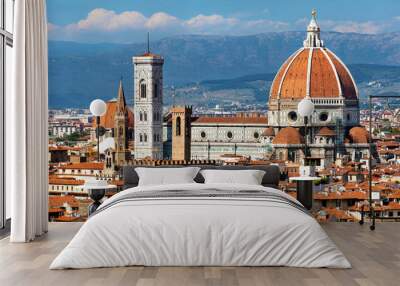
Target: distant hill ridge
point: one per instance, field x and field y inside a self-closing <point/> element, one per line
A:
<point x="80" y="72"/>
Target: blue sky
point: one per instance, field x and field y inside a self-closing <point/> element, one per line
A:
<point x="128" y="20"/>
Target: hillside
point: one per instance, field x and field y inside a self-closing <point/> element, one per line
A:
<point x="80" y="72"/>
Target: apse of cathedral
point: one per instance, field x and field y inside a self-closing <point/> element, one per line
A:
<point x="312" y="72"/>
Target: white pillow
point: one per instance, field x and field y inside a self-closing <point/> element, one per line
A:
<point x="166" y="176"/>
<point x="248" y="177"/>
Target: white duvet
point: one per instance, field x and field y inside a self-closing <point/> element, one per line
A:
<point x="193" y="231"/>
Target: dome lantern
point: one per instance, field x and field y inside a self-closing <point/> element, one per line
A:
<point x="313" y="39"/>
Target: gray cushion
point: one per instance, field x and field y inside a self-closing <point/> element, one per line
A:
<point x="270" y="179"/>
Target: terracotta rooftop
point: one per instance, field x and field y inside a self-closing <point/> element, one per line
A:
<point x="338" y="213"/>
<point x="64" y="148"/>
<point x="358" y="195"/>
<point x="149" y="54"/>
<point x="67" y="218"/>
<point x="288" y="136"/>
<point x="326" y="131"/>
<point x="268" y="132"/>
<point x="391" y="206"/>
<point x="65" y="181"/>
<point x="84" y="166"/>
<point x="108" y="119"/>
<point x="388" y="144"/>
<point x="358" y="135"/>
<point x="58" y="201"/>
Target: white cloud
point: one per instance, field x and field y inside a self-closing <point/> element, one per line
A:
<point x="203" y="21"/>
<point x="161" y="20"/>
<point x="368" y="27"/>
<point x="51" y="27"/>
<point x="103" y="24"/>
<point x="107" y="20"/>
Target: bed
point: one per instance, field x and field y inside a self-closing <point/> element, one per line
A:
<point x="197" y="224"/>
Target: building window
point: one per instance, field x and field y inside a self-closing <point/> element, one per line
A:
<point x="145" y="137"/>
<point x="229" y="135"/>
<point x="178" y="126"/>
<point x="141" y="138"/>
<point x="140" y="116"/>
<point x="203" y="134"/>
<point x="143" y="89"/>
<point x="155" y="90"/>
<point x="256" y="135"/>
<point x="292" y="116"/>
<point x="6" y="44"/>
<point x="145" y="116"/>
<point x="323" y="116"/>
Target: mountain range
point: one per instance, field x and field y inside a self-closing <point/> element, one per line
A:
<point x="80" y="72"/>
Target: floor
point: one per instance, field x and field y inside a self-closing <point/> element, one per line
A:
<point x="375" y="257"/>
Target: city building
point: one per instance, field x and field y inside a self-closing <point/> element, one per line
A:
<point x="148" y="99"/>
<point x="314" y="72"/>
<point x="334" y="133"/>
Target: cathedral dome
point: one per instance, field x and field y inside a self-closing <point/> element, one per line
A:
<point x="313" y="71"/>
<point x="288" y="136"/>
<point x="326" y="131"/>
<point x="268" y="132"/>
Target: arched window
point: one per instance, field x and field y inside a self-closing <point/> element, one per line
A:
<point x="154" y="138"/>
<point x="141" y="137"/>
<point x="155" y="90"/>
<point x="141" y="116"/>
<point x="145" y="116"/>
<point x="178" y="126"/>
<point x="145" y="137"/>
<point x="143" y="89"/>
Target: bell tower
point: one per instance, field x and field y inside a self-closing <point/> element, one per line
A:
<point x="148" y="98"/>
<point x="120" y="128"/>
<point x="181" y="132"/>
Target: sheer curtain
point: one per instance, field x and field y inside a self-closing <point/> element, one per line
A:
<point x="26" y="124"/>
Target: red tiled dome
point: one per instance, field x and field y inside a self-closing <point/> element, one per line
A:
<point x="316" y="72"/>
<point x="288" y="136"/>
<point x="268" y="132"/>
<point x="326" y="131"/>
<point x="358" y="135"/>
<point x="313" y="71"/>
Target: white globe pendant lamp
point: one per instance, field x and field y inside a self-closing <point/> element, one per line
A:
<point x="305" y="107"/>
<point x="98" y="107"/>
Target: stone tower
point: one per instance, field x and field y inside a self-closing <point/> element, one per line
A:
<point x="148" y="98"/>
<point x="181" y="132"/>
<point x="120" y="128"/>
